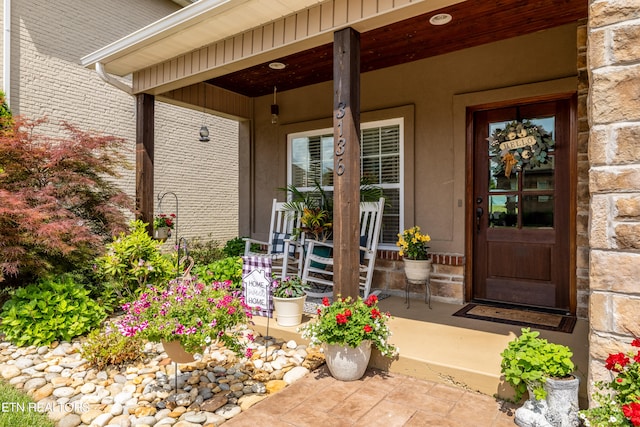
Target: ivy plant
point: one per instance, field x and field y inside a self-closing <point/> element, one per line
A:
<point x="55" y="308"/>
<point x="529" y="360"/>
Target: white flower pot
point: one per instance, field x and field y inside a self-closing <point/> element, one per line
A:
<point x="289" y="310"/>
<point x="161" y="233"/>
<point x="346" y="363"/>
<point x="417" y="270"/>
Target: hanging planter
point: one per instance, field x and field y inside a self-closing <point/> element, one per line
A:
<point x="176" y="352"/>
<point x="161" y="234"/>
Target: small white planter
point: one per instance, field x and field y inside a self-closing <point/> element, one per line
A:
<point x="417" y="270"/>
<point x="346" y="363"/>
<point x="289" y="310"/>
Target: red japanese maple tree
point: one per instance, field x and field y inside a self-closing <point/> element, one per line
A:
<point x="59" y="201"/>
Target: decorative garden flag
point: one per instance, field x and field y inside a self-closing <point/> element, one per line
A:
<point x="256" y="284"/>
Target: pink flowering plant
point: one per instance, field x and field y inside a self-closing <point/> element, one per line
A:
<point x="617" y="400"/>
<point x="289" y="287"/>
<point x="350" y="322"/>
<point x="194" y="313"/>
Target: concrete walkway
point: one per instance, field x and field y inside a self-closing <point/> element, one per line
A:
<point x="379" y="399"/>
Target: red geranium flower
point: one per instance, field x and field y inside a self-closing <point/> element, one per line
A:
<point x="632" y="412"/>
<point x="616" y="362"/>
<point x="375" y="313"/>
<point x="325" y="302"/>
<point x="347" y="312"/>
<point x="368" y="329"/>
<point x="636" y="342"/>
<point x="371" y="300"/>
<point x="341" y="319"/>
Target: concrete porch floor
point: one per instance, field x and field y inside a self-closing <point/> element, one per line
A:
<point x="440" y="348"/>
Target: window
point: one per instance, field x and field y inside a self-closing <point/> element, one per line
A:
<point x="311" y="160"/>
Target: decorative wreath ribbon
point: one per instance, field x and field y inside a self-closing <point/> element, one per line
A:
<point x="509" y="163"/>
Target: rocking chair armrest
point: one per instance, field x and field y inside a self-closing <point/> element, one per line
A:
<point x="252" y="241"/>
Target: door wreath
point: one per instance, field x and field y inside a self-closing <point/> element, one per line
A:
<point x="519" y="145"/>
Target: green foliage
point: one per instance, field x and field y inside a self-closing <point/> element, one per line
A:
<point x="289" y="287"/>
<point x="529" y="360"/>
<point x="205" y="251"/>
<point x="220" y="271"/>
<point x="132" y="261"/>
<point x="105" y="347"/>
<point x="350" y="322"/>
<point x="15" y="415"/>
<point x="234" y="247"/>
<point x="53" y="309"/>
<point x="6" y="117"/>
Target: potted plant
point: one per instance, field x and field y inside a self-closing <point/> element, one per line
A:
<point x="545" y="370"/>
<point x="618" y="399"/>
<point x="347" y="329"/>
<point x="162" y="226"/>
<point x="190" y="313"/>
<point x="289" y="295"/>
<point x="415" y="254"/>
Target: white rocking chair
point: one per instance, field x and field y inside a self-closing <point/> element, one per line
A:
<point x="318" y="268"/>
<point x="286" y="255"/>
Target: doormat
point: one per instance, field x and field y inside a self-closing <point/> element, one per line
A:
<point x="519" y="317"/>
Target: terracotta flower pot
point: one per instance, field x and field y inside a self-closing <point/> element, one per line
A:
<point x="176" y="352"/>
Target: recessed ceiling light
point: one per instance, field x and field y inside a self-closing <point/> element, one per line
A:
<point x="277" y="66"/>
<point x="440" y="19"/>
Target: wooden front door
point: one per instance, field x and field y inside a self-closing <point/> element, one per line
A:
<point x="523" y="204"/>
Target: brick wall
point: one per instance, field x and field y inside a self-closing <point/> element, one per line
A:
<point x="447" y="276"/>
<point x="614" y="178"/>
<point x="48" y="40"/>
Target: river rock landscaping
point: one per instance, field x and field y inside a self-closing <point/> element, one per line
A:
<point x="211" y="390"/>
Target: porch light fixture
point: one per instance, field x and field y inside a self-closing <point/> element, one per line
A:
<point x="204" y="131"/>
<point x="440" y="19"/>
<point x="275" y="110"/>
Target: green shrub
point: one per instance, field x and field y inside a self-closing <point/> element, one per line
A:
<point x="106" y="346"/>
<point x="52" y="309"/>
<point x="21" y="411"/>
<point x="204" y="251"/>
<point x="132" y="261"/>
<point x="529" y="361"/>
<point x="222" y="270"/>
<point x="234" y="247"/>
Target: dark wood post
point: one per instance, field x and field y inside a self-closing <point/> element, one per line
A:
<point x="145" y="112"/>
<point x="346" y="172"/>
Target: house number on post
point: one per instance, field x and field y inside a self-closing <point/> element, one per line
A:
<point x="341" y="141"/>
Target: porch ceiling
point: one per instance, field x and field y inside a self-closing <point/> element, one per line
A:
<point x="474" y="23"/>
<point x="385" y="42"/>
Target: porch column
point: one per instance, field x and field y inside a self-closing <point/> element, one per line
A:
<point x="145" y="111"/>
<point x="346" y="163"/>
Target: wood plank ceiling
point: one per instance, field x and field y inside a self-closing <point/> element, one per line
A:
<point x="475" y="22"/>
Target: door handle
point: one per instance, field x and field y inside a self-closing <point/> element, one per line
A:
<point x="479" y="213"/>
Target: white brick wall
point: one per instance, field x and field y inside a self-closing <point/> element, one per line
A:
<point x="48" y="40"/>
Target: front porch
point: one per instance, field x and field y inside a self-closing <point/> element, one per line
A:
<point x="436" y="346"/>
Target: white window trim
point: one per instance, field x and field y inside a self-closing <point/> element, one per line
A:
<point x="366" y="125"/>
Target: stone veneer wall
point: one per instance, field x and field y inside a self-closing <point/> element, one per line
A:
<point x="614" y="178"/>
<point x="447" y="276"/>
